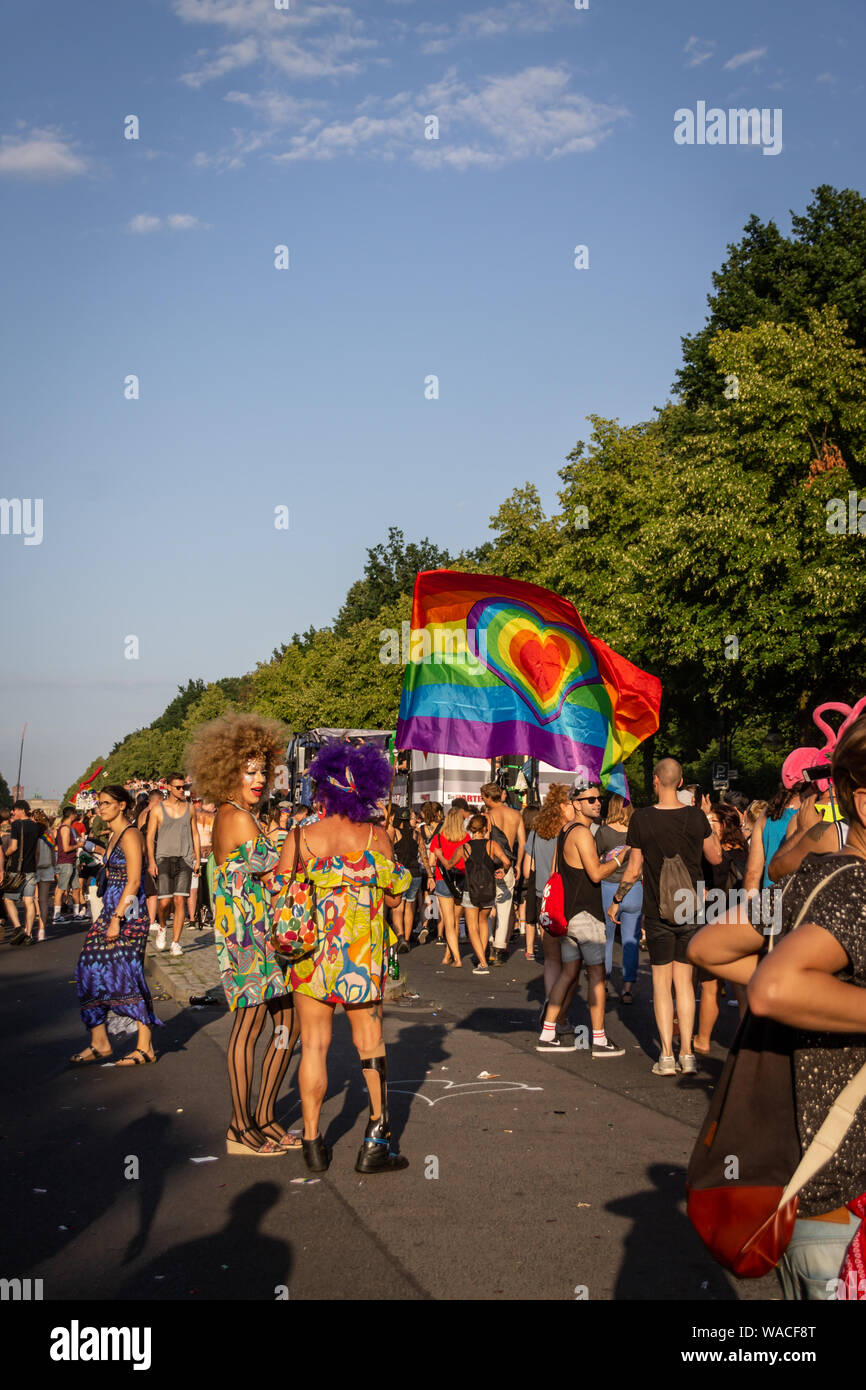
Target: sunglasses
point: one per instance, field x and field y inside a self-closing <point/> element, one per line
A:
<point x="589" y="799"/>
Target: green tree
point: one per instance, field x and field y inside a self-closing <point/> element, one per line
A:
<point x="174" y="713"/>
<point x="389" y="572"/>
<point x="772" y="278"/>
<point x="5" y="793"/>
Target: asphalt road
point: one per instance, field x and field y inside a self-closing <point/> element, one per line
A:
<point x="560" y="1175"/>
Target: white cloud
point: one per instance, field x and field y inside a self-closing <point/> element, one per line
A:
<point x="739" y="60"/>
<point x="513" y="17"/>
<point x="698" y="51"/>
<point x="828" y="78"/>
<point x="185" y="222"/>
<point x="504" y="119"/>
<point x="278" y="108"/>
<point x="229" y="57"/>
<point x="144" y="222"/>
<point x="279" y="38"/>
<point x="40" y="154"/>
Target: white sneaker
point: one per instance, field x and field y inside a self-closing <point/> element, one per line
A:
<point x="160" y="939"/>
<point x="176" y="948"/>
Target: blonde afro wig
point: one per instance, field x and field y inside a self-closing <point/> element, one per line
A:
<point x="217" y="752"/>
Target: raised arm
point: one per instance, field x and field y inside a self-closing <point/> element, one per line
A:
<point x="580" y="842"/>
<point x="820" y="838"/>
<point x="755" y="862"/>
<point x="729" y="948"/>
<point x="796" y="984"/>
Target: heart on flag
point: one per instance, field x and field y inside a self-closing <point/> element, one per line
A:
<point x="542" y="663"/>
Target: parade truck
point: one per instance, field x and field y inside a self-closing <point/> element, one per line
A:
<point x="304" y="746"/>
<point x="442" y="776"/>
<point x="420" y="777"/>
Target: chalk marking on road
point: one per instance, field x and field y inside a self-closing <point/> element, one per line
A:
<point x="457" y="1088"/>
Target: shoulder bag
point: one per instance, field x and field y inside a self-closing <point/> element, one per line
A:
<point x="551" y="914"/>
<point x="745" y="1213"/>
<point x="293" y="910"/>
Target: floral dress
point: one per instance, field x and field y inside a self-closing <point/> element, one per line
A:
<point x="348" y="964"/>
<point x="110" y="970"/>
<point x="249" y="970"/>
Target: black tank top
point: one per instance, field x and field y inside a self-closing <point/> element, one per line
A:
<point x="406" y="852"/>
<point x="581" y="894"/>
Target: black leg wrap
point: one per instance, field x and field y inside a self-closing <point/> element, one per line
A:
<point x="378" y="1131"/>
<point x="376" y="1155"/>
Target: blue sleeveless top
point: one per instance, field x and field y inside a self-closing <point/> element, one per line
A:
<point x="772" y="836"/>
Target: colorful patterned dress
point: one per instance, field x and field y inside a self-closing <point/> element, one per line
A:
<point x="110" y="972"/>
<point x="348" y="963"/>
<point x="249" y="969"/>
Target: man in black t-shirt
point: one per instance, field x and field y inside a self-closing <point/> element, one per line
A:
<point x="21" y="854"/>
<point x="656" y="833"/>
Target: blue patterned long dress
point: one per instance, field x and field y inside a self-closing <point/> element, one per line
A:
<point x="110" y="973"/>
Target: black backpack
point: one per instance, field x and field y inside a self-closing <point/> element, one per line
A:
<point x="480" y="878"/>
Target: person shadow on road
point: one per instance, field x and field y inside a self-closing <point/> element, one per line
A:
<point x="238" y="1262"/>
<point x="663" y="1257"/>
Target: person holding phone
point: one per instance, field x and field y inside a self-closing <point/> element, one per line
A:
<point x="110" y="970"/>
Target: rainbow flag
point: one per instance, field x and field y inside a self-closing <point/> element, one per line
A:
<point x="498" y="666"/>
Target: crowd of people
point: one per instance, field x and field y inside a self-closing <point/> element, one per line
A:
<point x="711" y="890"/>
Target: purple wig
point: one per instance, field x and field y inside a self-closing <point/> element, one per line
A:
<point x="349" y="781"/>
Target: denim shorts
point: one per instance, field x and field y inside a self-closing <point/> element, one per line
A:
<point x="27" y="889"/>
<point x="592" y="952"/>
<point x="809" y="1268"/>
<point x="467" y="902"/>
<point x="412" y="891"/>
<point x="64" y="876"/>
<point x="175" y="877"/>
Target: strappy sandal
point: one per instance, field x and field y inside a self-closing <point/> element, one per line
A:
<point x="88" y="1057"/>
<point x="286" y="1141"/>
<point x="136" y="1058"/>
<point x="236" y="1145"/>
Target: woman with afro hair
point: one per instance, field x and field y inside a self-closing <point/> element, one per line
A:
<point x="231" y="761"/>
<point x="350" y="860"/>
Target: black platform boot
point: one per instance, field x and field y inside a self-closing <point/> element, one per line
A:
<point x="317" y="1155"/>
<point x="376" y="1154"/>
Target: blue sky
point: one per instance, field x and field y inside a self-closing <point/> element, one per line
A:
<point x="259" y="387"/>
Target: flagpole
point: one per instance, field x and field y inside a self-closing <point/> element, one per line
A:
<point x="20" y="760"/>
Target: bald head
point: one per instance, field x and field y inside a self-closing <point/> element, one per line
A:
<point x="669" y="772"/>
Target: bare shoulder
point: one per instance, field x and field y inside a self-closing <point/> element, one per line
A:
<point x="382" y="842"/>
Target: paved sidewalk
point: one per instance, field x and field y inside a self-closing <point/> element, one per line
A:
<point x="193" y="973"/>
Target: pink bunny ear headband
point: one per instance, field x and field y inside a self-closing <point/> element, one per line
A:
<point x="801" y="758"/>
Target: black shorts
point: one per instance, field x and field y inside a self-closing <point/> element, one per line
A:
<point x="175" y="877"/>
<point x="666" y="942"/>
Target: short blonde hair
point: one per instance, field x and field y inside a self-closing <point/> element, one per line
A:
<point x="453" y="827"/>
<point x="619" y="810"/>
<point x="217" y="751"/>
